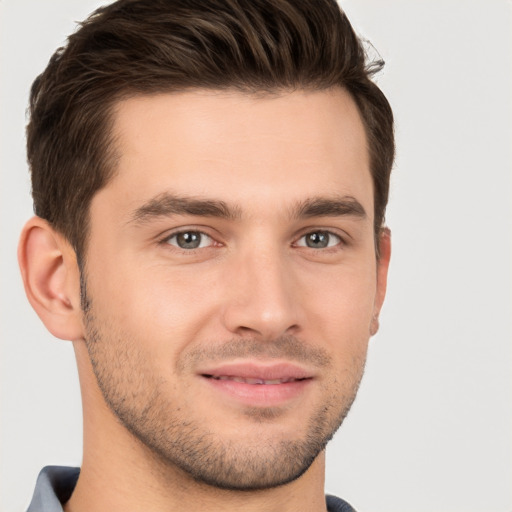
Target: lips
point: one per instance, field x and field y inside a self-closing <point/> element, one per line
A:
<point x="257" y="372"/>
<point x="258" y="383"/>
<point x="249" y="380"/>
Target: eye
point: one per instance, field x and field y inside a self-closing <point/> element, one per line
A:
<point x="319" y="240"/>
<point x="189" y="240"/>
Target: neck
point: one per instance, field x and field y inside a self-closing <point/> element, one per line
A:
<point x="129" y="487"/>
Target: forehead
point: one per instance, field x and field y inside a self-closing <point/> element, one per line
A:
<point x="239" y="147"/>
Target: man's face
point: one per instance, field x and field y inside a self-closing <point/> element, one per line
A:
<point x="231" y="279"/>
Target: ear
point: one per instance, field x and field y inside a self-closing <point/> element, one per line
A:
<point x="51" y="278"/>
<point x="382" y="276"/>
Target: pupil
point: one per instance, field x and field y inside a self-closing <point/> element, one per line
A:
<point x="317" y="240"/>
<point x="189" y="240"/>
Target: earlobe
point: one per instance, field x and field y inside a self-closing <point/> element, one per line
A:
<point x="382" y="277"/>
<point x="51" y="278"/>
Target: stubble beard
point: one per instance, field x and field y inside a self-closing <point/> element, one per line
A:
<point x="140" y="402"/>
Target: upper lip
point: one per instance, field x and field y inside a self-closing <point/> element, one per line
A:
<point x="258" y="370"/>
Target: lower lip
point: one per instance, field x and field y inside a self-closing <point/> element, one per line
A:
<point x="260" y="395"/>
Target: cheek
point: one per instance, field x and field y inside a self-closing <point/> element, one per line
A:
<point x="150" y="304"/>
<point x="342" y="309"/>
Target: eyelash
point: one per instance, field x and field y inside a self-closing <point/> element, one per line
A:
<point x="323" y="232"/>
<point x="341" y="241"/>
<point x="168" y="238"/>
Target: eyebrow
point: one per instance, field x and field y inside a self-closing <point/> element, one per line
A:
<point x="167" y="205"/>
<point x="330" y="207"/>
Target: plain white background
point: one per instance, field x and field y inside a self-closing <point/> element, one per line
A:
<point x="431" y="428"/>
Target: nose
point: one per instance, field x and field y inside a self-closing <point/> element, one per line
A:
<point x="261" y="300"/>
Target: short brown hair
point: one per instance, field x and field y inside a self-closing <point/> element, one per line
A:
<point x="149" y="46"/>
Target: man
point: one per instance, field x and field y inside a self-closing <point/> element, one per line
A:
<point x="209" y="180"/>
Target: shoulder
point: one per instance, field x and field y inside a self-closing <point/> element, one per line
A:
<point x="335" y="504"/>
<point x="53" y="487"/>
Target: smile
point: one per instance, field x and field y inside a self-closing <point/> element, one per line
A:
<point x="258" y="381"/>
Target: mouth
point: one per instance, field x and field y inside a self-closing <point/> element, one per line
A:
<point x="258" y="384"/>
<point x="257" y="381"/>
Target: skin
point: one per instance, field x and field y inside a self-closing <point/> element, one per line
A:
<point x="261" y="183"/>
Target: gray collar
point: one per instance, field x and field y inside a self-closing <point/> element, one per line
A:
<point x="53" y="488"/>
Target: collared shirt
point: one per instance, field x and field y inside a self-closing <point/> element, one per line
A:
<point x="55" y="485"/>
